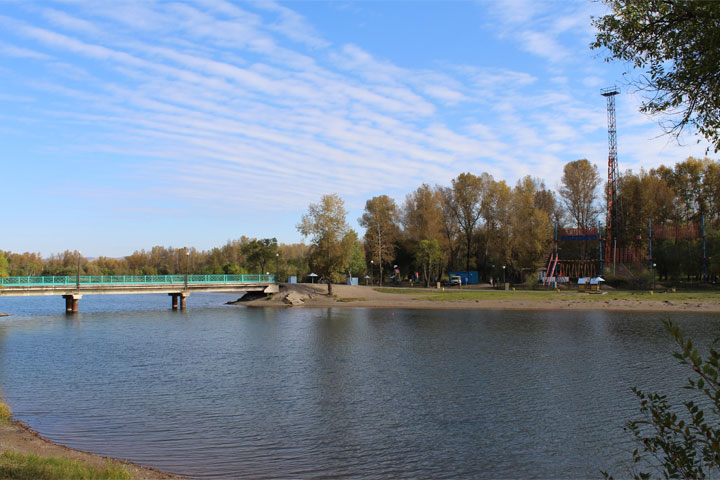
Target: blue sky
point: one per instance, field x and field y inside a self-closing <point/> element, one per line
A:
<point x="128" y="124"/>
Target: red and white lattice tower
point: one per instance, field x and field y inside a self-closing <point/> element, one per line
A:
<point x="612" y="198"/>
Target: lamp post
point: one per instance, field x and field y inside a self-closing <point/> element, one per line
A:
<point x="504" y="283"/>
<point x="187" y="267"/>
<point x="654" y="265"/>
<point x="277" y="270"/>
<point x="78" y="269"/>
<point x="372" y="270"/>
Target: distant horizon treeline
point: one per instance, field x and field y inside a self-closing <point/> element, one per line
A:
<point x="476" y="223"/>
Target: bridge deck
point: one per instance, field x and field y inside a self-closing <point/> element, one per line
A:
<point x="133" y="284"/>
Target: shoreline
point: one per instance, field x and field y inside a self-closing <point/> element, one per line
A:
<point x="18" y="437"/>
<point x="420" y="298"/>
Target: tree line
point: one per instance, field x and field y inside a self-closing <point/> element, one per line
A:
<point x="475" y="223"/>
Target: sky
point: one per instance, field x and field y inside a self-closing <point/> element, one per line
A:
<point x="128" y="124"/>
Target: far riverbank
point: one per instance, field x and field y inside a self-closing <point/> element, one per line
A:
<point x="315" y="295"/>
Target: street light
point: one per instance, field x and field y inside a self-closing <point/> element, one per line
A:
<point x="372" y="270"/>
<point x="654" y="265"/>
<point x="504" y="284"/>
<point x="187" y="267"/>
<point x="78" y="269"/>
<point x="277" y="270"/>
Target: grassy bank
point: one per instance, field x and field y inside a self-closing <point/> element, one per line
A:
<point x="457" y="294"/>
<point x="33" y="467"/>
<point x="18" y="466"/>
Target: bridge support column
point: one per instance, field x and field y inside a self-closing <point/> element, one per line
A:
<point x="182" y="296"/>
<point x="72" y="303"/>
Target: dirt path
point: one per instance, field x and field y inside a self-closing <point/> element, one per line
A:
<point x="368" y="297"/>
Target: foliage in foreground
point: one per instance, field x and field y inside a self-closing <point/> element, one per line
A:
<point x="687" y="444"/>
<point x="5" y="414"/>
<point x="32" y="467"/>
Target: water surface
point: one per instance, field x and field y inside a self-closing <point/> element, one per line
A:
<point x="231" y="392"/>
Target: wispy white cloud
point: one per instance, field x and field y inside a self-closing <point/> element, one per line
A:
<point x="247" y="107"/>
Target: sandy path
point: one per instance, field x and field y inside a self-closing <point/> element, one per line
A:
<point x="367" y="297"/>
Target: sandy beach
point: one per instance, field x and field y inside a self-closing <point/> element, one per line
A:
<point x="345" y="296"/>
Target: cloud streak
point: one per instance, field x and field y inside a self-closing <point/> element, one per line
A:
<point x="248" y="107"/>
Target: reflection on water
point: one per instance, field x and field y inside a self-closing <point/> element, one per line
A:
<point x="231" y="392"/>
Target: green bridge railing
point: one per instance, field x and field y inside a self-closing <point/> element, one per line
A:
<point x="135" y="280"/>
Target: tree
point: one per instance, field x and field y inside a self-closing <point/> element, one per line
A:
<point x="579" y="184"/>
<point x="676" y="44"/>
<point x="356" y="264"/>
<point x="683" y="444"/>
<point x="450" y="230"/>
<point x="530" y="228"/>
<point x="644" y="196"/>
<point x="496" y="208"/>
<point x="381" y="230"/>
<point x="332" y="239"/>
<point x="422" y="214"/>
<point x="429" y="255"/>
<point x="4" y="267"/>
<point x="465" y="201"/>
<point x="259" y="252"/>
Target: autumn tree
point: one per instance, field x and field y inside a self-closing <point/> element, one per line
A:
<point x="695" y="183"/>
<point x="422" y="214"/>
<point x="429" y="256"/>
<point x="422" y="219"/>
<point x="530" y="227"/>
<point x="547" y="201"/>
<point x="644" y="197"/>
<point x="356" y="263"/>
<point x="578" y="190"/>
<point x="331" y="237"/>
<point x="496" y="210"/>
<point x="465" y="202"/>
<point x="381" y="230"/>
<point x="4" y="266"/>
<point x="450" y="230"/>
<point x="676" y="46"/>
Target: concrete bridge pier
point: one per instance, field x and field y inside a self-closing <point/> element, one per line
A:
<point x="182" y="296"/>
<point x="72" y="302"/>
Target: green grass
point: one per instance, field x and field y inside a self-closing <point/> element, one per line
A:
<point x="457" y="294"/>
<point x="32" y="467"/>
<point x="5" y="414"/>
<point x="354" y="299"/>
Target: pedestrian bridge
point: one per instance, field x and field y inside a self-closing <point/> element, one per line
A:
<point x="72" y="288"/>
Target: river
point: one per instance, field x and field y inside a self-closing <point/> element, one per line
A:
<point x="231" y="392"/>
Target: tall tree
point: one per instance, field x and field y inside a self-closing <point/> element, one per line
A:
<point x="578" y="191"/>
<point x="496" y="211"/>
<point x="531" y="229"/>
<point x="465" y="201"/>
<point x="4" y="267"/>
<point x="331" y="237"/>
<point x="422" y="214"/>
<point x="676" y="45"/>
<point x="450" y="230"/>
<point x="644" y="196"/>
<point x="381" y="229"/>
<point x="695" y="183"/>
<point x="429" y="256"/>
<point x="259" y="252"/>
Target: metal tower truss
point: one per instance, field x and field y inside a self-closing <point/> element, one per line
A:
<point x="612" y="198"/>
